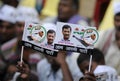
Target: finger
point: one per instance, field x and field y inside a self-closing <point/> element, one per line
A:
<point x="20" y="64"/>
<point x="90" y="73"/>
<point x="20" y="67"/>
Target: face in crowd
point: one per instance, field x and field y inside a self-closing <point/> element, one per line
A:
<point x="97" y="59"/>
<point x="84" y="66"/>
<point x="66" y="9"/>
<point x="50" y="36"/>
<point x="117" y="27"/>
<point x="7" y="31"/>
<point x="117" y="21"/>
<point x="19" y="29"/>
<point x="66" y="31"/>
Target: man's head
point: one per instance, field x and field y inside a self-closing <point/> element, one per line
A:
<point x="7" y="23"/>
<point x="117" y="27"/>
<point x="50" y="36"/>
<point x="83" y="60"/>
<point x="117" y="21"/>
<point x="7" y="31"/>
<point x="66" y="31"/>
<point x="66" y="9"/>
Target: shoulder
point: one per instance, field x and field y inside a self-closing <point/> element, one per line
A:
<point x="82" y="21"/>
<point x="77" y="19"/>
<point x="105" y="68"/>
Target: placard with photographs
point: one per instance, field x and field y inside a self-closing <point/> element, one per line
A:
<point x="40" y="37"/>
<point x="76" y="38"/>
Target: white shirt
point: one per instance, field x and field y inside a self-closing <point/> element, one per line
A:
<point x="112" y="55"/>
<point x="45" y="72"/>
<point x="111" y="72"/>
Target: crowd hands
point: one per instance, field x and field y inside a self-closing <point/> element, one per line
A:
<point x="60" y="60"/>
<point x="22" y="71"/>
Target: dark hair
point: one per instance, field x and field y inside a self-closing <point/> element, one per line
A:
<point x="96" y="54"/>
<point x="11" y="2"/>
<point x="66" y="27"/>
<point x="118" y="14"/>
<point x="76" y="4"/>
<point x="51" y="31"/>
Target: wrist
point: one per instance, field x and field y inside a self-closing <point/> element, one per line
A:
<point x="63" y="63"/>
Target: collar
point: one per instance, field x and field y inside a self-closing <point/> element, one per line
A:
<point x="65" y="40"/>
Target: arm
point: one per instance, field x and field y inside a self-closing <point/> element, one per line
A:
<point x="66" y="72"/>
<point x="64" y="67"/>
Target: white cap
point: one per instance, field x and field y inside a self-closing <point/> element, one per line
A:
<point x="27" y="14"/>
<point x="49" y="26"/>
<point x="116" y="7"/>
<point x="111" y="72"/>
<point x="8" y="13"/>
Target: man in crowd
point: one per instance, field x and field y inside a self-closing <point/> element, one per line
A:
<point x="68" y="12"/>
<point x="7" y="29"/>
<point x="7" y="35"/>
<point x="55" y="68"/>
<point x="109" y="41"/>
<point x="21" y="17"/>
<point x="7" y="23"/>
<point x="97" y="66"/>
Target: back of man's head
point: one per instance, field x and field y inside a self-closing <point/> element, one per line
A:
<point x="97" y="56"/>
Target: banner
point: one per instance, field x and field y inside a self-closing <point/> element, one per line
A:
<point x="40" y="37"/>
<point x="76" y="38"/>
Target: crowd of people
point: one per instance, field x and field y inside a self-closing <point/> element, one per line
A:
<point x="67" y="66"/>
